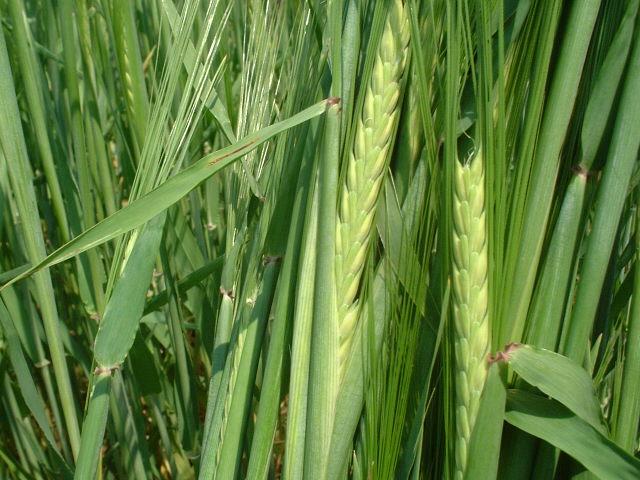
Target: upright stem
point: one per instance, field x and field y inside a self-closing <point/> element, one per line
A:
<point x="14" y="148"/>
<point x="557" y="115"/>
<point x="610" y="199"/>
<point x="324" y="365"/>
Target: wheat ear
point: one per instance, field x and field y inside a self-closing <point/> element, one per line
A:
<point x="470" y="302"/>
<point x="374" y="131"/>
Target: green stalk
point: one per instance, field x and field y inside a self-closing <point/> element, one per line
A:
<point x="300" y="348"/>
<point x="35" y="100"/>
<point x="93" y="426"/>
<point x="549" y="303"/>
<point x="93" y="270"/>
<point x="528" y="66"/>
<point x="250" y="346"/>
<point x="555" y="124"/>
<point x="610" y="198"/>
<point x="27" y="454"/>
<point x="324" y="364"/>
<point x="14" y="148"/>
<point x="552" y="288"/>
<point x="626" y="422"/>
<point x="268" y="411"/>
<point x="220" y="346"/>
<point x="222" y="339"/>
<point x="184" y="369"/>
<point x="23" y="375"/>
<point x="127" y="422"/>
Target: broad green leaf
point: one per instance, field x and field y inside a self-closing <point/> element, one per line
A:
<point x="554" y="423"/>
<point x="560" y="378"/>
<point x="122" y="314"/>
<point x="161" y="198"/>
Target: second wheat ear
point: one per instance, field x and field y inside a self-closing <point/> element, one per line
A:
<point x="470" y="300"/>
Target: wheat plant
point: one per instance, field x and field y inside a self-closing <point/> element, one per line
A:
<point x="322" y="240"/>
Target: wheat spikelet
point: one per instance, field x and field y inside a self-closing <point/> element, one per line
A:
<point x="367" y="161"/>
<point x="470" y="302"/>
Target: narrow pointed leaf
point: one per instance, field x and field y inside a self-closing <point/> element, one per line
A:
<point x="161" y="198"/>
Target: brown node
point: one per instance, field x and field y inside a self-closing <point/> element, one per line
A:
<point x="271" y="259"/>
<point x="331" y="101"/>
<point x="42" y="363"/>
<point x="227" y="293"/>
<point x="102" y="370"/>
<point x="581" y="171"/>
<point x="504" y="355"/>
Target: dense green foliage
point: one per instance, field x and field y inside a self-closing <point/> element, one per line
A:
<point x="277" y="238"/>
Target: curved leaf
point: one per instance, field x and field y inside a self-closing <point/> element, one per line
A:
<point x="554" y="423"/>
<point x="161" y="198"/>
<point x="559" y="377"/>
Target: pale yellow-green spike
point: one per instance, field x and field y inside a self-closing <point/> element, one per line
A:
<point x="374" y="132"/>
<point x="470" y="300"/>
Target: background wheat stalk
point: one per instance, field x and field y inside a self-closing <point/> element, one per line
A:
<point x="375" y="130"/>
<point x="470" y="303"/>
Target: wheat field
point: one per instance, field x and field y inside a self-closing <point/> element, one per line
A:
<point x="319" y="239"/>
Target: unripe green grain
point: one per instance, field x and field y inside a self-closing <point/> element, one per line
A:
<point x="470" y="301"/>
<point x="375" y="129"/>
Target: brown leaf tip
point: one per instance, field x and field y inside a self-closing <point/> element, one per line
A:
<point x="504" y="355"/>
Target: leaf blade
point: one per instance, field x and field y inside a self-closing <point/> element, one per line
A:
<point x="554" y="423"/>
<point x="162" y="197"/>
